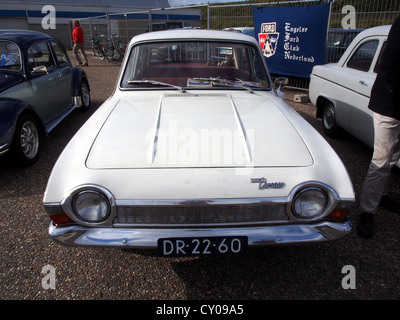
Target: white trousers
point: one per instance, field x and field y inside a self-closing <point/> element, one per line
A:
<point x="385" y="156"/>
<point x="79" y="47"/>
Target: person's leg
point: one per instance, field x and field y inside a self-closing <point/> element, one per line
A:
<point x="82" y="48"/>
<point x="386" y="151"/>
<point x="76" y="55"/>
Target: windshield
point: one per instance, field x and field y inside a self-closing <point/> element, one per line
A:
<point x="195" y="64"/>
<point x="10" y="57"/>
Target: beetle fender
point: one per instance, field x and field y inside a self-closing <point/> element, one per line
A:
<point x="10" y="111"/>
<point x="78" y="75"/>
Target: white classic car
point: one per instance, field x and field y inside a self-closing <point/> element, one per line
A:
<point x="341" y="91"/>
<point x="194" y="153"/>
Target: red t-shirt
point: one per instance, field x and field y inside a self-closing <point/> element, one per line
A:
<point x="77" y="35"/>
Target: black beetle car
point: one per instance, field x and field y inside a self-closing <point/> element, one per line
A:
<point x="38" y="88"/>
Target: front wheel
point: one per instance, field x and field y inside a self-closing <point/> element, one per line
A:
<point x="98" y="54"/>
<point x="85" y="95"/>
<point x="329" y="124"/>
<point x="26" y="143"/>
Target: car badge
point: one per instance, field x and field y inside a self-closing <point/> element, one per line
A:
<point x="264" y="184"/>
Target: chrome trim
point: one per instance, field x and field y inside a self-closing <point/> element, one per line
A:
<point x="333" y="200"/>
<point x="4" y="149"/>
<point x="77" y="101"/>
<point x="201" y="202"/>
<point x="66" y="204"/>
<point x="147" y="238"/>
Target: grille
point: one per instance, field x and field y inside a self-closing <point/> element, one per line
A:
<point x="141" y="216"/>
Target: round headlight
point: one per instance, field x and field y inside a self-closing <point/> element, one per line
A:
<point x="91" y="206"/>
<point x="310" y="203"/>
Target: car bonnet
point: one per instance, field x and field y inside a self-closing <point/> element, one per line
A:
<point x="203" y="129"/>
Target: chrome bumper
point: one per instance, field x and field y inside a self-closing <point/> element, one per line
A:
<point x="3" y="149"/>
<point x="147" y="238"/>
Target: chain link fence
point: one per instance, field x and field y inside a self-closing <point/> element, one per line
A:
<point x="118" y="29"/>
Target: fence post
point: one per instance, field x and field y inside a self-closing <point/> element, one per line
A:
<point x="150" y="21"/>
<point x="208" y="16"/>
<point x="109" y="38"/>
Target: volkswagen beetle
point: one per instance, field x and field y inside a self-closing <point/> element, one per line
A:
<point x="38" y="89"/>
<point x="194" y="153"/>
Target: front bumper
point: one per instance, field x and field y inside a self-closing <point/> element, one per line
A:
<point x="76" y="235"/>
<point x="4" y="149"/>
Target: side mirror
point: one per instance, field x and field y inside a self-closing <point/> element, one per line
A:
<point x="39" y="70"/>
<point x="281" y="81"/>
<point x="278" y="83"/>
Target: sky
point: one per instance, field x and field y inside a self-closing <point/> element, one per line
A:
<point x="177" y="3"/>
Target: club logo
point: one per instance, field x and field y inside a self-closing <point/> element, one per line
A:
<point x="268" y="38"/>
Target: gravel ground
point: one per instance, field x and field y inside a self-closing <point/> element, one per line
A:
<point x="290" y="272"/>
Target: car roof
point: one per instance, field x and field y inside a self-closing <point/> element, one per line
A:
<point x="371" y="32"/>
<point x="375" y="31"/>
<point x="22" y="36"/>
<point x="192" y="34"/>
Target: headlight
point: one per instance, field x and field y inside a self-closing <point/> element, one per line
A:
<point x="91" y="206"/>
<point x="309" y="203"/>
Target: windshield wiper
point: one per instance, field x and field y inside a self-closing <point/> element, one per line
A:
<point x="220" y="82"/>
<point x="154" y="83"/>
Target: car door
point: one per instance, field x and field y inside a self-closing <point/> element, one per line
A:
<point x="362" y="117"/>
<point x="48" y="86"/>
<point x="65" y="69"/>
<point x="360" y="77"/>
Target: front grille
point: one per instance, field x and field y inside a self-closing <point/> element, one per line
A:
<point x="142" y="216"/>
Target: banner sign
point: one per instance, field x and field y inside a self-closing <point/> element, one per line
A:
<point x="292" y="38"/>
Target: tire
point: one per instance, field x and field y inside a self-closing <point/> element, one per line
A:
<point x="112" y="55"/>
<point x="26" y="142"/>
<point x="98" y="54"/>
<point x="85" y="95"/>
<point x="329" y="124"/>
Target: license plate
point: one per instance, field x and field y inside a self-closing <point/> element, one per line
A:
<point x="176" y="247"/>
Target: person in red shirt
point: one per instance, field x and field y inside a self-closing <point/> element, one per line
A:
<point x="78" y="43"/>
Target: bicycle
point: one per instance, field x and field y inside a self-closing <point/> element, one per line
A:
<point x="113" y="54"/>
<point x="121" y="48"/>
<point x="98" y="49"/>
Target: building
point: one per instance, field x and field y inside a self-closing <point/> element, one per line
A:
<point x="99" y="18"/>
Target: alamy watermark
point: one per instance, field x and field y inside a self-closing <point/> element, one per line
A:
<point x="49" y="280"/>
<point x="349" y="280"/>
<point x="209" y="147"/>
<point x="49" y="20"/>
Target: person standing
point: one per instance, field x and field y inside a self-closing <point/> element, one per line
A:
<point x="78" y="43"/>
<point x="385" y="104"/>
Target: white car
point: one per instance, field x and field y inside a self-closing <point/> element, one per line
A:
<point x="195" y="155"/>
<point x="341" y="91"/>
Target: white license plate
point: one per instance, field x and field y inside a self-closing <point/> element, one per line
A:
<point x="175" y="247"/>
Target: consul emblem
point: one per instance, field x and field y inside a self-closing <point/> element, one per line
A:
<point x="264" y="184"/>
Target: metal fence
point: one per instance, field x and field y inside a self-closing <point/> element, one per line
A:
<point x="345" y="14"/>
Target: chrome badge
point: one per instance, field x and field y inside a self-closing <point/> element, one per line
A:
<point x="264" y="184"/>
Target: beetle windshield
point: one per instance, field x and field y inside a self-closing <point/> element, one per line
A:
<point x="195" y="64"/>
<point x="10" y="57"/>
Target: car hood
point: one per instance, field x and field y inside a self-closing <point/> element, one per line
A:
<point x="8" y="80"/>
<point x="183" y="130"/>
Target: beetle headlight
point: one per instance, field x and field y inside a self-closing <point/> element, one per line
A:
<point x="310" y="203"/>
<point x="91" y="206"/>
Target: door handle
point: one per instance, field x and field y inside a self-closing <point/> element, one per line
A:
<point x="363" y="83"/>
